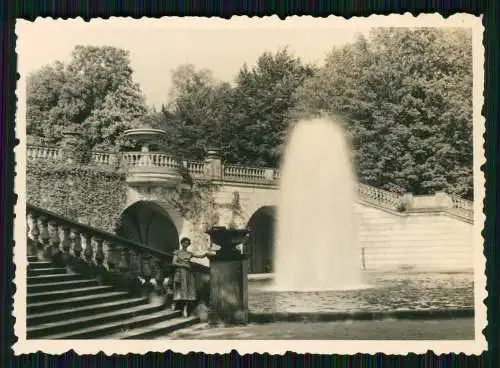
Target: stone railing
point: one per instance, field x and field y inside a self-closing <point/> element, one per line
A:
<point x="43" y="152"/>
<point x="259" y="176"/>
<point x="148" y="159"/>
<point x="103" y="158"/>
<point x="462" y="207"/>
<point x="379" y="197"/>
<point x="195" y="169"/>
<point x="248" y="174"/>
<point x="87" y="250"/>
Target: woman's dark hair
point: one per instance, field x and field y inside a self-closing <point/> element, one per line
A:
<point x="183" y="240"/>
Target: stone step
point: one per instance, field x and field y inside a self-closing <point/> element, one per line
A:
<point x="73" y="324"/>
<point x="46" y="271"/>
<point x="87" y="310"/>
<point x="105" y="330"/>
<point x="63" y="285"/>
<point x="44" y="279"/>
<point x="32" y="258"/>
<point x="65" y="294"/>
<point x="156" y="330"/>
<point x="39" y="264"/>
<point x="76" y="302"/>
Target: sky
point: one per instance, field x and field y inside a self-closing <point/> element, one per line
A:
<point x="159" y="46"/>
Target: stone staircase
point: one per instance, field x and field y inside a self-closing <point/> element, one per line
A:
<point x="62" y="304"/>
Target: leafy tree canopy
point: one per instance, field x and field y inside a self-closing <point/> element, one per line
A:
<point x="405" y="96"/>
<point x="93" y="92"/>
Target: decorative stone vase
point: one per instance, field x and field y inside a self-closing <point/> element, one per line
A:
<point x="227" y="239"/>
<point x="228" y="277"/>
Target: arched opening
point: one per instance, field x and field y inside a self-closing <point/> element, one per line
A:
<point x="149" y="224"/>
<point x="261" y="240"/>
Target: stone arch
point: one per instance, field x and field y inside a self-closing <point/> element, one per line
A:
<point x="151" y="224"/>
<point x="261" y="241"/>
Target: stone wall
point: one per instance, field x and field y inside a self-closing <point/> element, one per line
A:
<point x="425" y="237"/>
<point x="426" y="240"/>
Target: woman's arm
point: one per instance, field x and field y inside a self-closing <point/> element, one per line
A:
<point x="199" y="255"/>
<point x="174" y="260"/>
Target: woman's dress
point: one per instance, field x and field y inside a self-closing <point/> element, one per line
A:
<point x="184" y="281"/>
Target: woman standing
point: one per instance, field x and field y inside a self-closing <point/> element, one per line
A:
<point x="184" y="281"/>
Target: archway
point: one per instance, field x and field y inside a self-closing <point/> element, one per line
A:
<point x="150" y="224"/>
<point x="261" y="240"/>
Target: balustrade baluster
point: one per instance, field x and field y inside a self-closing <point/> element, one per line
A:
<point x="35" y="231"/>
<point x="45" y="235"/>
<point x="66" y="241"/>
<point x="135" y="263"/>
<point x="124" y="264"/>
<point x="89" y="252"/>
<point x="113" y="259"/>
<point x="54" y="240"/>
<point x="159" y="276"/>
<point x="146" y="271"/>
<point x="99" y="255"/>
<point x="77" y="244"/>
<point x="31" y="243"/>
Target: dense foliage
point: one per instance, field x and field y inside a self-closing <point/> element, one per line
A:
<point x="86" y="194"/>
<point x="406" y="99"/>
<point x="404" y="96"/>
<point x="94" y="92"/>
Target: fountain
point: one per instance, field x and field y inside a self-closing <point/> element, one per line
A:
<point x="316" y="239"/>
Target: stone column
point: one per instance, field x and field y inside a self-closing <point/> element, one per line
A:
<point x="213" y="164"/>
<point x="228" y="288"/>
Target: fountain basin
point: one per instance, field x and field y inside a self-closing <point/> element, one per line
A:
<point x="144" y="134"/>
<point x="391" y="293"/>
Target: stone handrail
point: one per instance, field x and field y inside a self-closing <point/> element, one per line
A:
<point x="149" y="159"/>
<point x="462" y="207"/>
<point x="379" y="197"/>
<point x="43" y="152"/>
<point x="98" y="252"/>
<point x="248" y="174"/>
<point x="195" y="168"/>
<point x="103" y="158"/>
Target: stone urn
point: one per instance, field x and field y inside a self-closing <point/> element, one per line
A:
<point x="227" y="240"/>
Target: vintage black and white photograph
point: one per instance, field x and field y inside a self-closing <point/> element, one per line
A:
<point x="308" y="184"/>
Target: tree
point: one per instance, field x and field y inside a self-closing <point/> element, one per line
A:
<point x="262" y="99"/>
<point x="94" y="91"/>
<point x="406" y="98"/>
<point x="196" y="113"/>
<point x="43" y="93"/>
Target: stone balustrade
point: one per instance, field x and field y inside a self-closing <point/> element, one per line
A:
<point x="264" y="176"/>
<point x="87" y="250"/>
<point x="103" y="158"/>
<point x="149" y="159"/>
<point x="247" y="174"/>
<point x="195" y="169"/>
<point x="379" y="197"/>
<point x="462" y="207"/>
<point x="43" y="152"/>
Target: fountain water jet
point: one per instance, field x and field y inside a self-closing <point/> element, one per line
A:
<point x="316" y="247"/>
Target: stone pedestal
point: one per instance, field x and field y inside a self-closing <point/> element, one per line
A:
<point x="228" y="289"/>
<point x="228" y="278"/>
